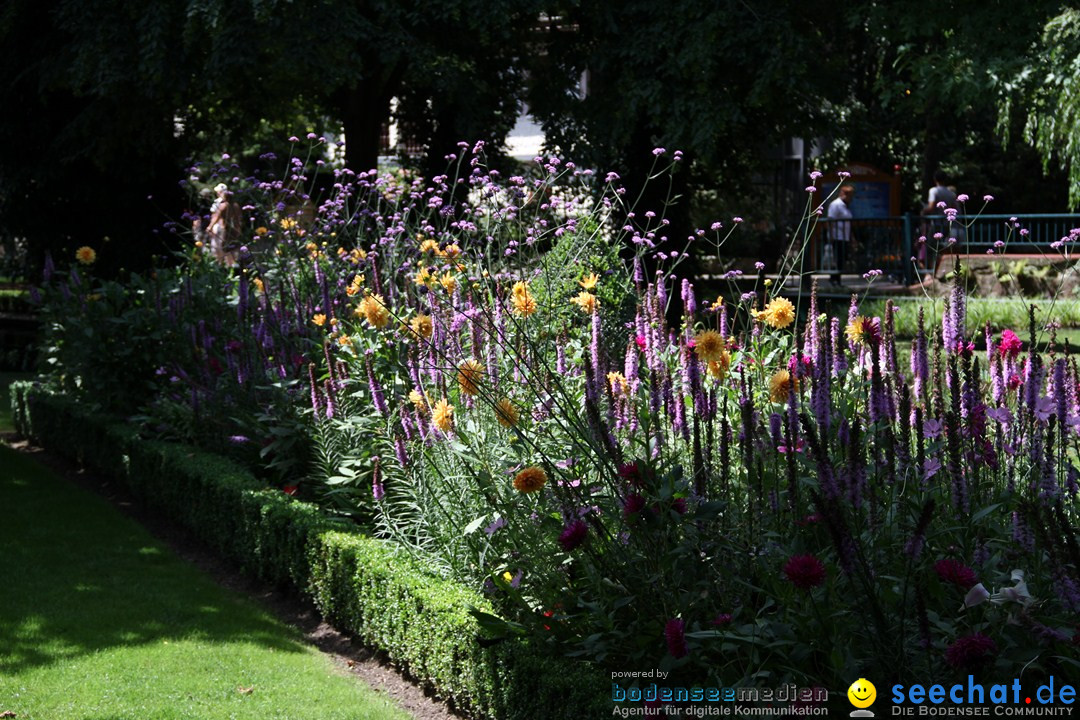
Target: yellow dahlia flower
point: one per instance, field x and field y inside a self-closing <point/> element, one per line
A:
<point x="443" y="415"/>
<point x="419" y="402"/>
<point x="522" y="300"/>
<point x="86" y="255"/>
<point x="781" y="385"/>
<point x="530" y="479"/>
<point x="374" y="311"/>
<point x="709" y="346"/>
<point x="506" y="413"/>
<point x="422" y="326"/>
<point x="779" y="313"/>
<point x="586" y="301"/>
<point x="469" y="375"/>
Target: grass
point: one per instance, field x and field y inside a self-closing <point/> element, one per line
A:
<point x="99" y="621"/>
<point x="1001" y="313"/>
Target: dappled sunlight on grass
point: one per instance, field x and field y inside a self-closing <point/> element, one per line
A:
<point x="100" y="620"/>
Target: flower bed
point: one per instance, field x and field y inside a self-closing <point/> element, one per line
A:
<point x="625" y="472"/>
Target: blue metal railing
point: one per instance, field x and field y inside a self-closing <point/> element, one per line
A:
<point x="889" y="243"/>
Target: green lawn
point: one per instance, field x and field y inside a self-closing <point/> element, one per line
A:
<point x="99" y="621"/>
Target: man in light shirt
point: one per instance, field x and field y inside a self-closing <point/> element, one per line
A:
<point x="839" y="229"/>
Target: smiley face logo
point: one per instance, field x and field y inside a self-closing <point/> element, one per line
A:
<point x="862" y="693"/>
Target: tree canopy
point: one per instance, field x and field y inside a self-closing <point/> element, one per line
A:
<point x="110" y="98"/>
<point x="1044" y="93"/>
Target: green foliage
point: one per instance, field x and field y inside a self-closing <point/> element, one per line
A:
<point x="1045" y="90"/>
<point x="686" y="75"/>
<point x="366" y="586"/>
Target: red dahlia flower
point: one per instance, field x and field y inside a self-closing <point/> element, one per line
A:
<point x="970" y="651"/>
<point x="805" y="571"/>
<point x="956" y="572"/>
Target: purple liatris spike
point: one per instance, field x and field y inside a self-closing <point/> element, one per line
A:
<point x="1067" y="591"/>
<point x="1033" y="382"/>
<point x="407" y="425"/>
<point x="1061" y="397"/>
<point x="913" y="547"/>
<point x="330" y="403"/>
<point x="376" y="389"/>
<point x="820" y="395"/>
<point x="377" y="490"/>
<point x="675" y="637"/>
<point x="630" y="367"/>
<point x="639" y="273"/>
<point x="688" y="298"/>
<point x="813" y="324"/>
<point x="316" y="406"/>
<point x="920" y="360"/>
<point x="330" y="365"/>
<point x="1021" y="534"/>
<point x="679" y="410"/>
<point x="958" y="307"/>
<point x="839" y="358"/>
<point x="997" y="380"/>
<point x="655" y="384"/>
<point x="400" y="453"/>
<point x="948" y="328"/>
<point x="776" y="429"/>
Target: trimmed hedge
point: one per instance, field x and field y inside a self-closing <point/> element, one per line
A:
<point x="363" y="585"/>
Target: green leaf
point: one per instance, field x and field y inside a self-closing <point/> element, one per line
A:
<point x="496" y="626"/>
<point x="984" y="512"/>
<point x="474" y="525"/>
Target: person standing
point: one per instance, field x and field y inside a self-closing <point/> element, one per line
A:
<point x="941" y="198"/>
<point x="224" y="227"/>
<point x="940" y="193"/>
<point x="840" y="229"/>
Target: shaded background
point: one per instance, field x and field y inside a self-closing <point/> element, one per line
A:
<point x="106" y="102"/>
